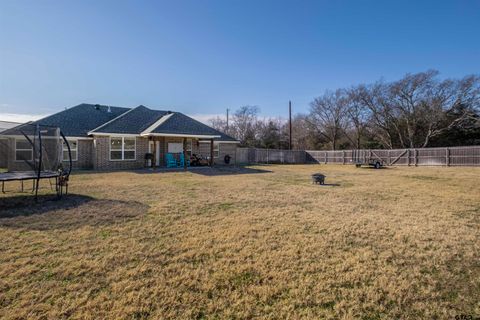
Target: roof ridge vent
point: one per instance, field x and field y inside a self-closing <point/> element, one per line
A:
<point x="109" y="110"/>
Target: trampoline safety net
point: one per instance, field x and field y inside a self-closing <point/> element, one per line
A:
<point x="34" y="152"/>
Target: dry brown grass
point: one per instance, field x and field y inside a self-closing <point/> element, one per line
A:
<point x="383" y="244"/>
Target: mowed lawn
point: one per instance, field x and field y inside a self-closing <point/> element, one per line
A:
<point x="261" y="242"/>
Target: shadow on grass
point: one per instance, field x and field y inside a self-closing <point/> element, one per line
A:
<point x="206" y="171"/>
<point x="373" y="168"/>
<point x="220" y="171"/>
<point x="70" y="212"/>
<point x="329" y="185"/>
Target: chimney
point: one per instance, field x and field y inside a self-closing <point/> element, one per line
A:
<point x="109" y="110"/>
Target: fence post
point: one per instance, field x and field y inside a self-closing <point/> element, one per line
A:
<point x="343" y="155"/>
<point x="447" y="156"/>
<point x="267" y="157"/>
<point x="408" y="157"/>
<point x="415" y="156"/>
<point x="389" y="158"/>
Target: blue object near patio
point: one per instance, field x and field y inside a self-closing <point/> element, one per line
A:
<point x="182" y="159"/>
<point x="170" y="160"/>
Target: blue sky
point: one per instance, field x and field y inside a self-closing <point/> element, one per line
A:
<point x="200" y="57"/>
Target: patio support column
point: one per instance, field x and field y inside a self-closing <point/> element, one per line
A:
<point x="154" y="151"/>
<point x="211" y="152"/>
<point x="185" y="154"/>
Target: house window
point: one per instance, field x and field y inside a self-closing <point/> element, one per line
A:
<point x="122" y="148"/>
<point x="23" y="150"/>
<point x="216" y="149"/>
<point x="73" y="149"/>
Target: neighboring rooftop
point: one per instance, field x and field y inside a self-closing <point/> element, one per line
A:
<point x="4" y="125"/>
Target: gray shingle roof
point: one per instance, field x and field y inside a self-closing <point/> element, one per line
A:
<point x="135" y="121"/>
<point x="79" y="120"/>
<point x="179" y="123"/>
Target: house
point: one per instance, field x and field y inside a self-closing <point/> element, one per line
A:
<point x="111" y="138"/>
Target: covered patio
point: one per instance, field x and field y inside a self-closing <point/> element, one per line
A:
<point x="180" y="148"/>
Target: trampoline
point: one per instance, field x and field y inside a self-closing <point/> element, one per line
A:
<point x="35" y="152"/>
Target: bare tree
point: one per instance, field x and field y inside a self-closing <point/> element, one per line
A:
<point x="328" y="114"/>
<point x="304" y="134"/>
<point x="273" y="133"/>
<point x="219" y="124"/>
<point x="411" y="96"/>
<point x="425" y="104"/>
<point x="408" y="113"/>
<point x="451" y="104"/>
<point x="358" y="115"/>
<point x="245" y="125"/>
<point x="383" y="121"/>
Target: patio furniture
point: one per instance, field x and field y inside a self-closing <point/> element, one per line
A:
<point x="198" y="160"/>
<point x="205" y="161"/>
<point x="182" y="160"/>
<point x="170" y="160"/>
<point x="194" y="160"/>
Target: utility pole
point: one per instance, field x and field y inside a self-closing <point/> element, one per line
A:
<point x="290" y="124"/>
<point x="227" y="119"/>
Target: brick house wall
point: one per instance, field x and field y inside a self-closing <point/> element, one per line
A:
<point x="227" y="148"/>
<point x="85" y="154"/>
<point x="3" y="153"/>
<point x="224" y="149"/>
<point x="95" y="154"/>
<point x="49" y="148"/>
<point x="7" y="159"/>
<point x="12" y="164"/>
<point x="101" y="155"/>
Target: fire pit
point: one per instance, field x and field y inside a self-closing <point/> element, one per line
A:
<point x="318" y="178"/>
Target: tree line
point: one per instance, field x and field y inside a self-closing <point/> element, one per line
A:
<point x="419" y="110"/>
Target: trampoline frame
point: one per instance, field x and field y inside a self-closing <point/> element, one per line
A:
<point x="61" y="176"/>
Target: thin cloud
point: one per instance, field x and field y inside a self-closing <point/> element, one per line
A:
<point x="205" y="117"/>
<point x="21" y="118"/>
